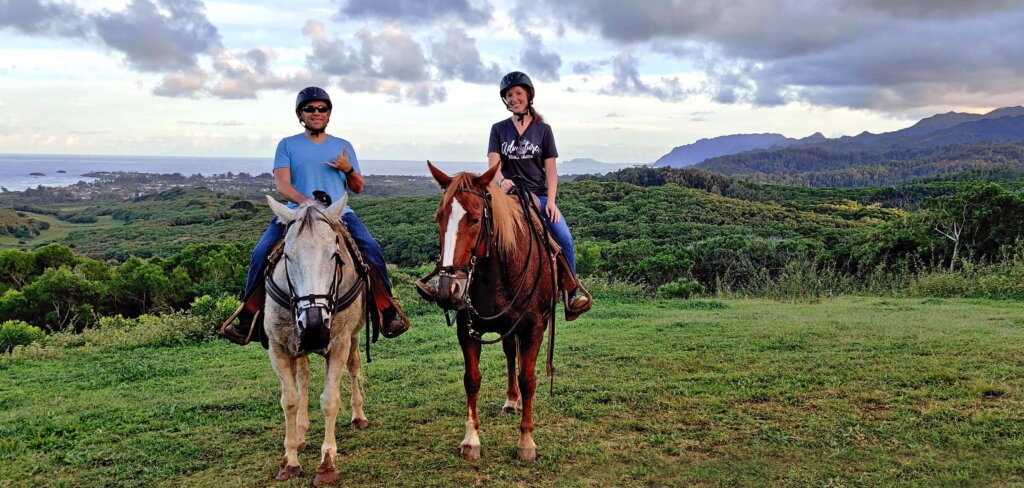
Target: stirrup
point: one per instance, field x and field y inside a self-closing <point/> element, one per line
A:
<point x="234" y="334"/>
<point x="577" y="305"/>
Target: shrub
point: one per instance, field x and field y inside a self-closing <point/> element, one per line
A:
<point x="214" y="311"/>
<point x="17" y="333"/>
<point x="174" y="329"/>
<point x="680" y="289"/>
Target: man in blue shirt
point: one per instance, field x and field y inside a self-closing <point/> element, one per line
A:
<point x="306" y="166"/>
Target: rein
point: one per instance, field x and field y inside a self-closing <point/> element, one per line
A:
<point x="332" y="300"/>
<point x="486" y="237"/>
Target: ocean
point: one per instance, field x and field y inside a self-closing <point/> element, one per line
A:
<point x="16" y="170"/>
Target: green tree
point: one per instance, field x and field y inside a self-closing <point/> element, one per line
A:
<point x="140" y="287"/>
<point x="61" y="299"/>
<point x="53" y="256"/>
<point x="16" y="267"/>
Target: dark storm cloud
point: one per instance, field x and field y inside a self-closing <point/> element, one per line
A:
<point x="875" y="54"/>
<point x="537" y="60"/>
<point x="456" y="57"/>
<point x="417" y="11"/>
<point x="36" y="17"/>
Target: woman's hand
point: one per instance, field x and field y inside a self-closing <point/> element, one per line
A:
<point x="507" y="185"/>
<point x="552" y="211"/>
<point x="341" y="162"/>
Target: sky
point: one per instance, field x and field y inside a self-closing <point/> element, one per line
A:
<point x="619" y="81"/>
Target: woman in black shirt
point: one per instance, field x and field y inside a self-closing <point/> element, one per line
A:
<point x="524" y="146"/>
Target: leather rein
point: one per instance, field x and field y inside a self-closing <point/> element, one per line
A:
<point x="332" y="300"/>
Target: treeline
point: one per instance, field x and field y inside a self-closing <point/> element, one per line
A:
<point x="184" y="244"/>
<point x="56" y="290"/>
<point x="822" y="167"/>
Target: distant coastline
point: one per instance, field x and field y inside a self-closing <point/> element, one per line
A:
<point x="19" y="172"/>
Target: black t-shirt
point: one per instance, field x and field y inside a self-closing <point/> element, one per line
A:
<point x="524" y="155"/>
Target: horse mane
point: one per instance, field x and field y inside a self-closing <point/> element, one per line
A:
<point x="307" y="214"/>
<point x="509" y="223"/>
<point x="310" y="212"/>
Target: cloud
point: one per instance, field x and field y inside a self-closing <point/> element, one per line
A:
<point x="390" y="62"/>
<point x="537" y="60"/>
<point x="417" y="11"/>
<point x="626" y="81"/>
<point x="36" y="17"/>
<point x="184" y="84"/>
<point x="456" y="57"/>
<point x="587" y="67"/>
<point x="159" y="36"/>
<point x="873" y="54"/>
<point x="244" y="74"/>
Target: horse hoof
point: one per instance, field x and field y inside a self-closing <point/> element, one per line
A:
<point x="360" y="424"/>
<point x="286" y="472"/>
<point x="326" y="474"/>
<point x="506" y="410"/>
<point x="470" y="453"/>
<point x="526" y="454"/>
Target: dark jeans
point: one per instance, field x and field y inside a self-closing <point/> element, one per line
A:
<point x="368" y="247"/>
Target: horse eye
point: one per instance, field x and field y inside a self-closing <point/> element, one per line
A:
<point x="473" y="220"/>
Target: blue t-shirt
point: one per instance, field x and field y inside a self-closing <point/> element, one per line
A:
<point x="306" y="161"/>
<point x="524" y="155"/>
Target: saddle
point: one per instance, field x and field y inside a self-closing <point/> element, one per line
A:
<point x="259" y="294"/>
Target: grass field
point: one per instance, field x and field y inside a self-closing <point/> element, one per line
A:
<point x="849" y="392"/>
<point x="57" y="231"/>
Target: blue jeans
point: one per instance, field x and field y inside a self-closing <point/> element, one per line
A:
<point x="562" y="235"/>
<point x="367" y="245"/>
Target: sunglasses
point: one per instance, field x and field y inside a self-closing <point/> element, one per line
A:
<point x="319" y="108"/>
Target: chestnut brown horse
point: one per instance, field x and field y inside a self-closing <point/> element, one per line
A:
<point x="497" y="273"/>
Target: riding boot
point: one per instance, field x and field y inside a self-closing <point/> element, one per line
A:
<point x="575" y="304"/>
<point x="393" y="322"/>
<point x="250" y="319"/>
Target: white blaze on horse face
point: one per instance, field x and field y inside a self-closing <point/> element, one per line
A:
<point x="456" y="216"/>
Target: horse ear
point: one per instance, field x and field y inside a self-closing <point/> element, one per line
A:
<point x="485" y="179"/>
<point x="442" y="179"/>
<point x="284" y="214"/>
<point x="337" y="208"/>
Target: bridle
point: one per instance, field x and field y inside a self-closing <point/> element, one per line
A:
<point x="485" y="238"/>
<point x="332" y="301"/>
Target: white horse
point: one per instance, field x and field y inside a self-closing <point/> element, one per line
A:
<point x="312" y="280"/>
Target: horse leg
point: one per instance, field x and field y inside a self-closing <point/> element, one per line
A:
<point x="355" y="374"/>
<point x="530" y="346"/>
<point x="470" y="446"/>
<point x="513" y="402"/>
<point x="330" y="401"/>
<point x="302" y="384"/>
<point x="284" y="366"/>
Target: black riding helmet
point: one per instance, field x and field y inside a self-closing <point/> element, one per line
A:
<point x="312" y="94"/>
<point x="517" y="78"/>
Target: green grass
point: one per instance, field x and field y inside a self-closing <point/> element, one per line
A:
<point x="58" y="230"/>
<point x="847" y="392"/>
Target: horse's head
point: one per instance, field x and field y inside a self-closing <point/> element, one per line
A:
<point x="463" y="221"/>
<point x="313" y="264"/>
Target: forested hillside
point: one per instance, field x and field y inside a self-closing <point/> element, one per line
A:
<point x="672" y="232"/>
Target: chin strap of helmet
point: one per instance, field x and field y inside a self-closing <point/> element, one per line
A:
<point x="312" y="132"/>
